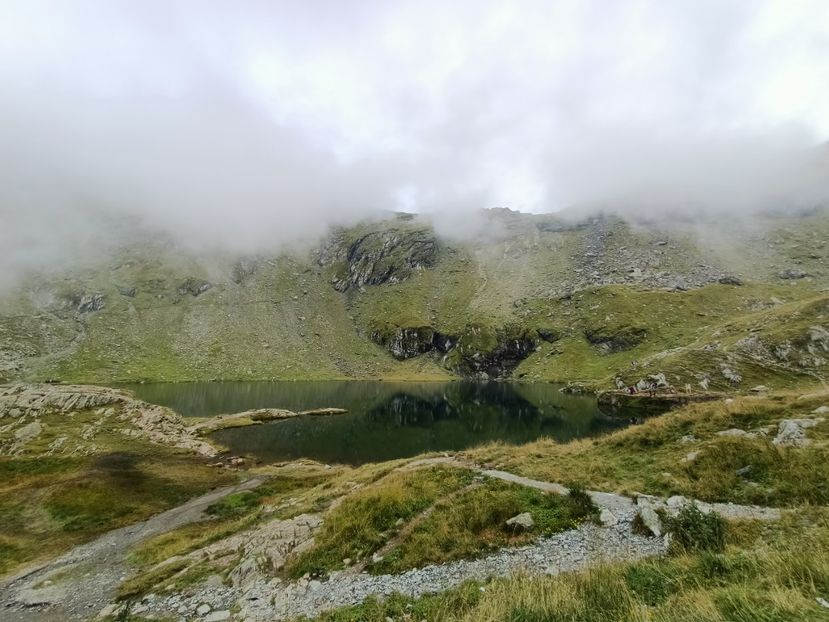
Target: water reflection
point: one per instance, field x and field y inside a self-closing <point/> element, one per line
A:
<point x="386" y="420"/>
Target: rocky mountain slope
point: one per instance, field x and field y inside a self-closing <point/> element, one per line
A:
<point x="541" y="297"/>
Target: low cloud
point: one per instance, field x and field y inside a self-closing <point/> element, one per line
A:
<point x="257" y="127"/>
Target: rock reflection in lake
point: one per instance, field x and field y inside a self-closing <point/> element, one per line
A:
<point x="386" y="420"/>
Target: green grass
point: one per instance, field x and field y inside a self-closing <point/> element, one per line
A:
<point x="475" y="522"/>
<point x="367" y="519"/>
<point x="666" y="332"/>
<point x="694" y="530"/>
<point x="50" y="503"/>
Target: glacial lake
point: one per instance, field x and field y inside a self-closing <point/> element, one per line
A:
<point x="385" y="420"/>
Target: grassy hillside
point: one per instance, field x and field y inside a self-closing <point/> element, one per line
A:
<point x="534" y="297"/>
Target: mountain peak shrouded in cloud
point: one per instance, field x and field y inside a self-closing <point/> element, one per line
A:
<point x="264" y="123"/>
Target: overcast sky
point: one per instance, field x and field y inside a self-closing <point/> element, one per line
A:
<point x="253" y="122"/>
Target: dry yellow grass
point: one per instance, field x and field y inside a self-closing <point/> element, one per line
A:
<point x="649" y="457"/>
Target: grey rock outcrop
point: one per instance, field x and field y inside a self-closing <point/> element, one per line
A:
<point x="405" y="343"/>
<point x="193" y="286"/>
<point x="792" y="274"/>
<point x="388" y="255"/>
<point x="91" y="302"/>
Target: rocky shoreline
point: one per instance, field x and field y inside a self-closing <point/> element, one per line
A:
<point x="25" y="408"/>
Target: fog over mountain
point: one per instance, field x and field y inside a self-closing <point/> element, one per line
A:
<point x="259" y="124"/>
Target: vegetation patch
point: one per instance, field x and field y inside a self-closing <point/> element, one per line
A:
<point x="49" y="505"/>
<point x="233" y="513"/>
<point x="694" y="530"/>
<point x="475" y="521"/>
<point x="367" y="519"/>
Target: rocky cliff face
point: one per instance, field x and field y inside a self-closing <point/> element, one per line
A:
<point x="487" y="352"/>
<point x="405" y="343"/>
<point x="389" y="255"/>
<point x="477" y="351"/>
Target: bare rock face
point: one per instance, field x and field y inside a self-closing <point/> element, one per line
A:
<point x="28" y="432"/>
<point x="91" y="302"/>
<point x="385" y="256"/>
<point x="243" y="270"/>
<point x="791" y="274"/>
<point x="407" y="342"/>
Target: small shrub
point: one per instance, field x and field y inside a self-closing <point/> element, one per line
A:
<point x="234" y="505"/>
<point x="581" y="504"/>
<point x="652" y="583"/>
<point x="694" y="530"/>
<point x="639" y="527"/>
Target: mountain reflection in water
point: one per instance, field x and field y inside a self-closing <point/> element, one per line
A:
<point x="386" y="420"/>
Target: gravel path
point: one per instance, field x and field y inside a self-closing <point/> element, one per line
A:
<point x="571" y="550"/>
<point x="98" y="567"/>
<point x="269" y="599"/>
<point x="78" y="584"/>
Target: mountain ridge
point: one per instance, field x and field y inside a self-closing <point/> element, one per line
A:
<point x="535" y="297"/>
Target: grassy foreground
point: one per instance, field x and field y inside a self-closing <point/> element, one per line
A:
<point x="58" y="493"/>
<point x="763" y="576"/>
<point x="771" y="572"/>
<point x="392" y="516"/>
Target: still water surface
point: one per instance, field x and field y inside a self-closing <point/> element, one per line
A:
<point x="385" y="420"/>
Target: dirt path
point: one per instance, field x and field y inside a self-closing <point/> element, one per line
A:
<point x="77" y="585"/>
<point x="82" y="582"/>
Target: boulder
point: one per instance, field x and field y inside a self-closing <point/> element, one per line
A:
<point x="792" y="274"/>
<point x="218" y="616"/>
<point x="820" y="410"/>
<point x="730" y="374"/>
<point x="735" y="432"/>
<point x="42" y="596"/>
<point x="521" y="522"/>
<point x="193" y="286"/>
<point x="690" y="456"/>
<point x="792" y="432"/>
<point x="650" y="519"/>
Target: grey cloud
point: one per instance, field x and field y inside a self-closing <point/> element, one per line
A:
<point x="256" y="127"/>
